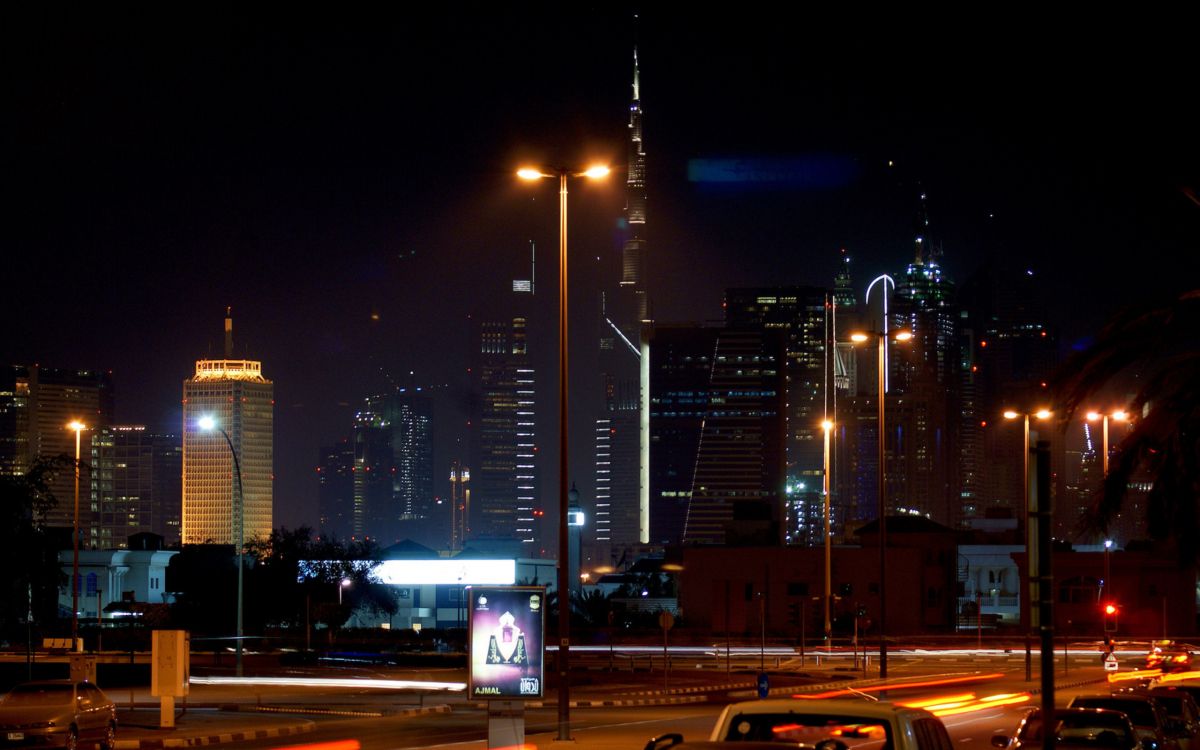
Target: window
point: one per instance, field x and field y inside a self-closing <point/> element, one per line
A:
<point x="931" y="735"/>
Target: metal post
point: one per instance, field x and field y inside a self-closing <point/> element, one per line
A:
<point x="1045" y="577"/>
<point x="564" y="552"/>
<point x="883" y="664"/>
<point x="241" y="524"/>
<point x="75" y="553"/>
<point x="828" y="623"/>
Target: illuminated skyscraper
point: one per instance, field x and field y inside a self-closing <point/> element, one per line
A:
<point x="621" y="516"/>
<point x="240" y="401"/>
<point x="135" y="486"/>
<point x="393" y="465"/>
<point x="504" y="475"/>
<point x="803" y="315"/>
<point x="36" y="403"/>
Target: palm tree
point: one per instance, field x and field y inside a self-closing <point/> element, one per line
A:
<point x="1154" y="354"/>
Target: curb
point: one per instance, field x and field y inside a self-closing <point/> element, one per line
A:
<point x="441" y="708"/>
<point x="215" y="739"/>
<point x="608" y="703"/>
<point x="693" y="690"/>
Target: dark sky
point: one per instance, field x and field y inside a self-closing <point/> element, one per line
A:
<point x="158" y="166"/>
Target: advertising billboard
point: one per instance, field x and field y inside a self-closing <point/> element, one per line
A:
<point x="506" y="628"/>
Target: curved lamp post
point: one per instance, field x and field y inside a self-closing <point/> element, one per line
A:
<point x="882" y="337"/>
<point x="563" y="583"/>
<point x="208" y="424"/>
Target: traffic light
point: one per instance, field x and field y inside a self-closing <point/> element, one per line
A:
<point x="1110" y="617"/>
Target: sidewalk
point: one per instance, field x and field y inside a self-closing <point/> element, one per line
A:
<point x="137" y="729"/>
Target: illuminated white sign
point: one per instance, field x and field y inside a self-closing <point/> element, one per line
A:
<point x="455" y="572"/>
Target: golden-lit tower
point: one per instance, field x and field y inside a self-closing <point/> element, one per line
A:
<point x="228" y="415"/>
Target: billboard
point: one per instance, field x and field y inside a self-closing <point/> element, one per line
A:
<point x="506" y="627"/>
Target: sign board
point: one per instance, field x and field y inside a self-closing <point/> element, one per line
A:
<point x="1110" y="663"/>
<point x="666" y="620"/>
<point x="764" y="685"/>
<point x="505" y="653"/>
<point x="169" y="663"/>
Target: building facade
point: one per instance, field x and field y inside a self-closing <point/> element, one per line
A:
<point x="228" y="450"/>
<point x="135" y="486"/>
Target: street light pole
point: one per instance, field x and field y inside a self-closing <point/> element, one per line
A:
<point x="881" y="386"/>
<point x="563" y="583"/>
<point x="208" y="423"/>
<point x="828" y="632"/>
<point x="78" y="427"/>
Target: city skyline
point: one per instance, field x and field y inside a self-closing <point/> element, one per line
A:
<point x="340" y="246"/>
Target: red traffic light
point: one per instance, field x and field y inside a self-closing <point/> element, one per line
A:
<point x="1110" y="609"/>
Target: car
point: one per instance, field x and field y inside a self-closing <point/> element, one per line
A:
<point x="1183" y="715"/>
<point x="1099" y="728"/>
<point x="820" y="724"/>
<point x="61" y="713"/>
<point x="1169" y="659"/>
<point x="1147" y="715"/>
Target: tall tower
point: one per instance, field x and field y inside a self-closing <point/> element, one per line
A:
<point x="633" y="261"/>
<point x="621" y="444"/>
<point x="240" y="401"/>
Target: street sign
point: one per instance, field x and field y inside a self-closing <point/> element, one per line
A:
<point x="1110" y="663"/>
<point x="666" y="620"/>
<point x="764" y="685"/>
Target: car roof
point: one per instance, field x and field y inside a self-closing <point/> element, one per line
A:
<point x="850" y="707"/>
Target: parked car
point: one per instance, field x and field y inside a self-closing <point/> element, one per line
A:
<point x="1099" y="728"/>
<point x="821" y="725"/>
<point x="61" y="713"/>
<point x="1148" y="717"/>
<point x="1183" y="715"/>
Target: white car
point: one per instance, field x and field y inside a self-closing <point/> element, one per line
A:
<point x="823" y="725"/>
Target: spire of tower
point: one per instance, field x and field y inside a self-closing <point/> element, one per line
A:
<point x="636" y="75"/>
<point x="843" y="286"/>
<point x="229" y="333"/>
<point x="924" y="251"/>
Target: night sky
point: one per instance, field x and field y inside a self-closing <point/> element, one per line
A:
<point x="346" y="183"/>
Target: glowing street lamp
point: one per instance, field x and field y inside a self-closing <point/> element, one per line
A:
<point x="78" y="427"/>
<point x="343" y="584"/>
<point x="563" y="583"/>
<point x="208" y="423"/>
<point x="1116" y="416"/>
<point x="882" y="337"/>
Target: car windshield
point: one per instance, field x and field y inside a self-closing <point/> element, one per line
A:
<point x="811" y="728"/>
<point x="1081" y="730"/>
<point x="38" y="695"/>
<point x="1139" y="712"/>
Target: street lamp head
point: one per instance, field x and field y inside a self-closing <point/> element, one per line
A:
<point x="207" y="423"/>
<point x="903" y="335"/>
<point x="1119" y="416"/>
<point x="76" y="425"/>
<point x="596" y="171"/>
<point x="827" y="425"/>
<point x="1092" y="416"/>
<point x="1010" y="414"/>
<point x="1108" y="543"/>
<point x="859" y="337"/>
<point x="1043" y="413"/>
<point x="345" y="582"/>
<point x="529" y="173"/>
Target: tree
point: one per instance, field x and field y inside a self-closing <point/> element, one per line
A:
<point x="1155" y="354"/>
<point x="28" y="553"/>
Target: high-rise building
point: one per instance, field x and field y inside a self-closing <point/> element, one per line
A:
<point x="393" y="466"/>
<point x="803" y="316"/>
<point x="717" y="428"/>
<point x="135" y="486"/>
<point x="335" y="493"/>
<point x="228" y="442"/>
<point x="504" y="474"/>
<point x="738" y="488"/>
<point x="619" y="515"/>
<point x="15" y="407"/>
<point x="681" y="362"/>
<point x="58" y="396"/>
